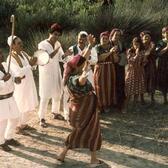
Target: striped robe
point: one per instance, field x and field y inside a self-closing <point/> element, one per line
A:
<point x="105" y="81"/>
<point x="83" y="116"/>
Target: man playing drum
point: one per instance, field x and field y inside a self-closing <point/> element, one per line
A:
<point x="50" y="79"/>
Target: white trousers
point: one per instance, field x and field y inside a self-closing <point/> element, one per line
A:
<point x="7" y="129"/>
<point x="24" y="118"/>
<point x="55" y="108"/>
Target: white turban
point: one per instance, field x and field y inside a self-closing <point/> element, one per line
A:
<point x="9" y="41"/>
<point x="83" y="33"/>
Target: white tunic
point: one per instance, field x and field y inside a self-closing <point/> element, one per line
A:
<point x="50" y="79"/>
<point x="93" y="60"/>
<point x="25" y="93"/>
<point x="8" y="107"/>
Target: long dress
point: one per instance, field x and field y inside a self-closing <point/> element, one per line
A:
<point x="120" y="75"/>
<point x="83" y="117"/>
<point x="134" y="80"/>
<point x="150" y="73"/>
<point x="105" y="80"/>
<point x="162" y="71"/>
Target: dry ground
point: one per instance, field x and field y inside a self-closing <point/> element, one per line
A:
<point x="135" y="140"/>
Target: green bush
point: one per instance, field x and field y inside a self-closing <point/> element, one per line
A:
<point x="132" y="16"/>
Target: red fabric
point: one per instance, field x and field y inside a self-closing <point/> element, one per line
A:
<point x="71" y="65"/>
<point x="55" y="27"/>
<point x="106" y="33"/>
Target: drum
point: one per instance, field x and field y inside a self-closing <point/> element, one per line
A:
<point x="42" y="57"/>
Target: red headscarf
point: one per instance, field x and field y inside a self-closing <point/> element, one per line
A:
<point x="55" y="27"/>
<point x="106" y="33"/>
<point x="75" y="62"/>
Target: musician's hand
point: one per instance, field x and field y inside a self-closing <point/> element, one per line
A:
<point x="17" y="80"/>
<point x="33" y="61"/>
<point x="54" y="52"/>
<point x="6" y="77"/>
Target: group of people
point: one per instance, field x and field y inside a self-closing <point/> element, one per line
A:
<point x="95" y="79"/>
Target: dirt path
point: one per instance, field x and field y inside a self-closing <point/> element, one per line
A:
<point x="135" y="140"/>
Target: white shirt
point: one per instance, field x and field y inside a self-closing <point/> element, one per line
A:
<point x="8" y="107"/>
<point x="25" y="93"/>
<point x="93" y="56"/>
<point x="50" y="79"/>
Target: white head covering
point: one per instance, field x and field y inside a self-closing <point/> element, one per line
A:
<point x="83" y="33"/>
<point x="9" y="41"/>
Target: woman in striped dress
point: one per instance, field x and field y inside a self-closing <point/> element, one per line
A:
<point x="104" y="73"/>
<point x="134" y="80"/>
<point x="83" y="116"/>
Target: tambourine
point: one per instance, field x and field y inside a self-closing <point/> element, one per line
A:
<point x="42" y="57"/>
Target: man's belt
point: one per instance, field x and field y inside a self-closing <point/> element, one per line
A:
<point x="6" y="96"/>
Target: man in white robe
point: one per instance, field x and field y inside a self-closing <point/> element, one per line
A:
<point x="25" y="94"/>
<point x="9" y="112"/>
<point x="50" y="79"/>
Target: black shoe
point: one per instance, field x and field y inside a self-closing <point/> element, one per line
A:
<point x="43" y="123"/>
<point x="58" y="116"/>
<point x="12" y="142"/>
<point x="20" y="131"/>
<point x="5" y="147"/>
<point x="27" y="127"/>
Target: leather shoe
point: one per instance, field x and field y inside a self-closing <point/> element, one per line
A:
<point x="5" y="147"/>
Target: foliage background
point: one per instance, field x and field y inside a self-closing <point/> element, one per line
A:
<point x="33" y="17"/>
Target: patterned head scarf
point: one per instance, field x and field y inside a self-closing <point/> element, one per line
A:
<point x="55" y="27"/>
<point x="106" y="33"/>
<point x="70" y="66"/>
